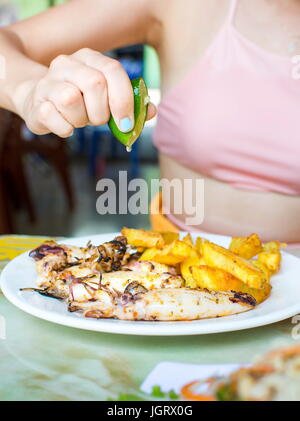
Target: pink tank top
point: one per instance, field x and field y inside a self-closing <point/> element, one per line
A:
<point x="236" y="116"/>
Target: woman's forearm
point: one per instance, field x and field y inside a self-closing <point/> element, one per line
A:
<point x="17" y="72"/>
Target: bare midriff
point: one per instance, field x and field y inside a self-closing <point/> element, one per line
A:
<point x="232" y="211"/>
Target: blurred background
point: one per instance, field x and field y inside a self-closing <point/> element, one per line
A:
<point x="48" y="185"/>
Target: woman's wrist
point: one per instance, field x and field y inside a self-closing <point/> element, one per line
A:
<point x="21" y="95"/>
<point x="19" y="72"/>
<point x="22" y="91"/>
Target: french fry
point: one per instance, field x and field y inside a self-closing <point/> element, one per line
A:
<point x="198" y="244"/>
<point x="169" y="236"/>
<point x="207" y="265"/>
<point x="202" y="261"/>
<point x="246" y="247"/>
<point x="185" y="268"/>
<point x="219" y="257"/>
<point x="143" y="238"/>
<point x="262" y="267"/>
<point x="218" y="280"/>
<point x="273" y="246"/>
<point x="181" y="249"/>
<point x="188" y="239"/>
<point x="149" y="254"/>
<point x="171" y="254"/>
<point x="272" y="260"/>
<point x="271" y="256"/>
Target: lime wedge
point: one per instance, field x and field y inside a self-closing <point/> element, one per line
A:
<point x="141" y="101"/>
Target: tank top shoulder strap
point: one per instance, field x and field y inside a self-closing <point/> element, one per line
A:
<point x="232" y="11"/>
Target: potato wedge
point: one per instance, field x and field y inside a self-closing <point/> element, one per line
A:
<point x="185" y="268"/>
<point x="143" y="238"/>
<point x="181" y="249"/>
<point x="169" y="236"/>
<point x="273" y="246"/>
<point x="262" y="267"/>
<point x="219" y="257"/>
<point x="171" y="254"/>
<point x="246" y="247"/>
<point x="218" y="280"/>
<point x="272" y="260"/>
<point x="149" y="254"/>
<point x="198" y="244"/>
<point x="202" y="261"/>
<point x="188" y="239"/>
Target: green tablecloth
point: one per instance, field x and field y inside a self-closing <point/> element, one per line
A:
<point x="43" y="361"/>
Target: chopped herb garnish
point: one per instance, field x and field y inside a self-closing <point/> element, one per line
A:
<point x="157" y="392"/>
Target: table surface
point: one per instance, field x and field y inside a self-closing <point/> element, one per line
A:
<point x="43" y="361"/>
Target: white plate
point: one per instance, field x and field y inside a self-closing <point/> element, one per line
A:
<point x="283" y="303"/>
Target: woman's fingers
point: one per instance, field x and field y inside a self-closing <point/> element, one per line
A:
<point x="96" y="102"/>
<point x="89" y="81"/>
<point x="48" y="119"/>
<point x="119" y="88"/>
<point x="82" y="89"/>
<point x="68" y="100"/>
<point x="152" y="111"/>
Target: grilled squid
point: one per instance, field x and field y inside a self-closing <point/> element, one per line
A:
<point x="81" y="282"/>
<point x="172" y="304"/>
<point x="107" y="281"/>
<point x="107" y="257"/>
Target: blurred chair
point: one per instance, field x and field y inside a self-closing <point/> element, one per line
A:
<point x="54" y="151"/>
<point x="5" y="219"/>
<point x="14" y="187"/>
<point x="13" y="183"/>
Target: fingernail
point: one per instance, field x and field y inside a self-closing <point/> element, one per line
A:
<point x="126" y="124"/>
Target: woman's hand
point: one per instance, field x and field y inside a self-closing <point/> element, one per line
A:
<point x="79" y="90"/>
